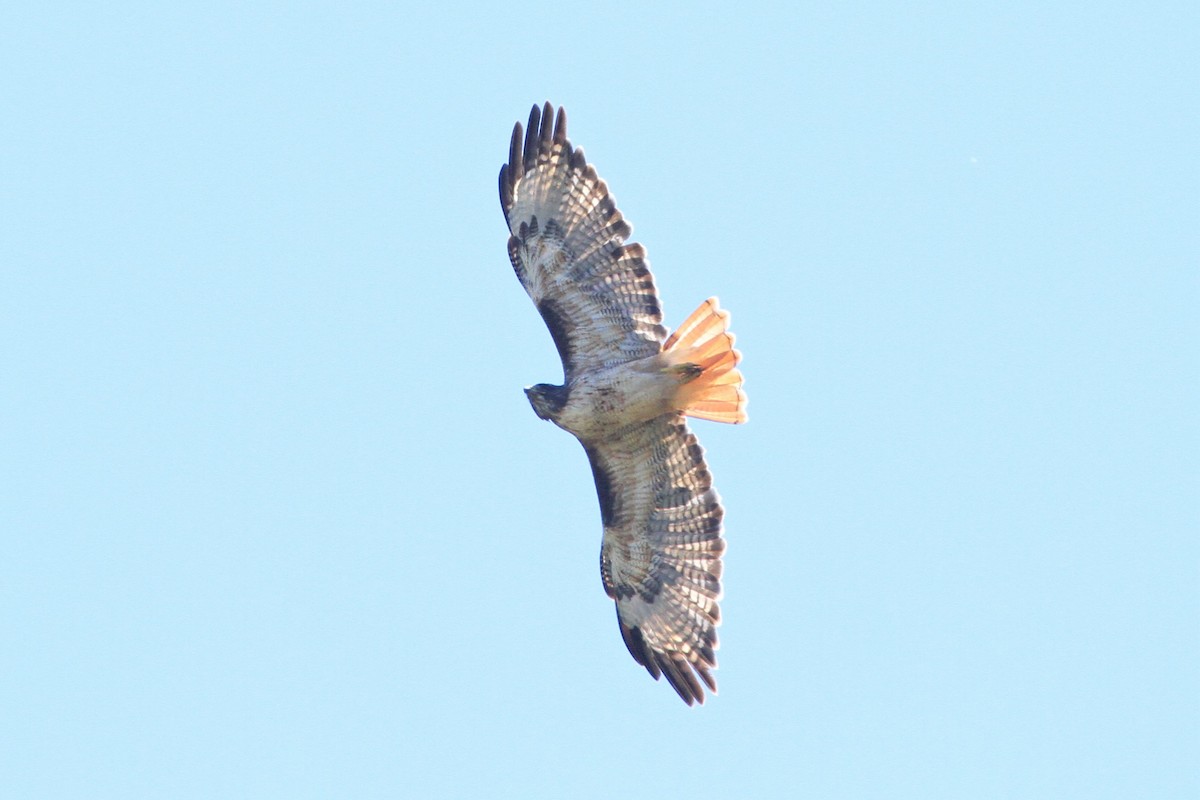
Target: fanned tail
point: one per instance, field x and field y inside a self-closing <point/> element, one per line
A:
<point x="702" y="348"/>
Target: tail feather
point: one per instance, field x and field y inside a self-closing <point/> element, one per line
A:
<point x="719" y="363"/>
<point x="697" y="324"/>
<point x="705" y="342"/>
<point x="732" y="377"/>
<point x="718" y="412"/>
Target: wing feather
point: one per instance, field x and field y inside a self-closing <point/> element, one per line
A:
<point x="661" y="556"/>
<point x="567" y="247"/>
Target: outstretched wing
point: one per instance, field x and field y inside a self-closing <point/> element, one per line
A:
<point x="661" y="556"/>
<point x="568" y="249"/>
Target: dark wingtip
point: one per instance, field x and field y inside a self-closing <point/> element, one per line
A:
<point x="678" y="671"/>
<point x="516" y="165"/>
<point x="679" y="674"/>
<point x="532" y="132"/>
<point x="547" y="127"/>
<point x="511" y="172"/>
<point x="560" y="125"/>
<point x="707" y="677"/>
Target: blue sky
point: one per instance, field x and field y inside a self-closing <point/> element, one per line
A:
<point x="279" y="522"/>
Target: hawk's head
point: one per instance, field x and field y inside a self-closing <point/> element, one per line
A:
<point x="547" y="400"/>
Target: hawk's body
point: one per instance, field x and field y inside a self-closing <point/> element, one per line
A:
<point x="627" y="388"/>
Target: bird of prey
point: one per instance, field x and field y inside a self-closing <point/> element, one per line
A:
<point x="626" y="391"/>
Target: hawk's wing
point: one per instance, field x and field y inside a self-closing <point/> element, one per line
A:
<point x="661" y="557"/>
<point x="568" y="249"/>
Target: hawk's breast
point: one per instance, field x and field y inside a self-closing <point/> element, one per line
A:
<point x="603" y="402"/>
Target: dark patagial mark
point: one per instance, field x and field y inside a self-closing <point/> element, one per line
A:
<point x="560" y="332"/>
<point x="604" y="487"/>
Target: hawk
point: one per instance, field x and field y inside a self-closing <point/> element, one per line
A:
<point x="627" y="389"/>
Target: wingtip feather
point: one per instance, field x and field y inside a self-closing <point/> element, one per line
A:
<point x="560" y="125"/>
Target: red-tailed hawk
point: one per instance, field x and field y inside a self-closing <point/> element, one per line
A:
<point x="626" y="390"/>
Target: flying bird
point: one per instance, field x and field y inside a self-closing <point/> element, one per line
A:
<point x="627" y="389"/>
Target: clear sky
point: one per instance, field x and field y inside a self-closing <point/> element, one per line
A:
<point x="278" y="522"/>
